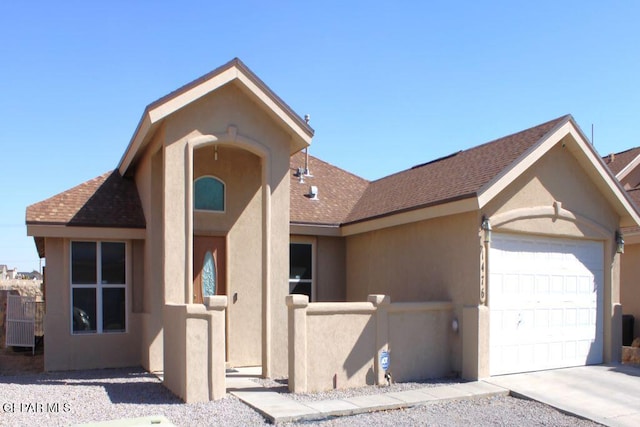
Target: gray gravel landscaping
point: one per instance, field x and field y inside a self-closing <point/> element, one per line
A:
<point x="281" y="386"/>
<point x="66" y="398"/>
<point x="493" y="411"/>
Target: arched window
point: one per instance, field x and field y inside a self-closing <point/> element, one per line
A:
<point x="208" y="194"/>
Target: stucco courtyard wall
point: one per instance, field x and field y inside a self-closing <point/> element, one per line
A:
<point x="431" y="260"/>
<point x="420" y="336"/>
<point x="339" y="345"/>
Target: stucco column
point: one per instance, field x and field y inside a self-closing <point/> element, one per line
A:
<point x="216" y="306"/>
<point x="194" y="349"/>
<point x="475" y="342"/>
<point x="266" y="269"/>
<point x="612" y="323"/>
<point x="188" y="222"/>
<point x="381" y="303"/>
<point x="297" y="319"/>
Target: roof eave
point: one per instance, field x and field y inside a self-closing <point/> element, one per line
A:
<point x="60" y="230"/>
<point x="453" y="206"/>
<point x="314" y="229"/>
<point x="628" y="168"/>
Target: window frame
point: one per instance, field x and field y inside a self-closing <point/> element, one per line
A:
<point x="311" y="241"/>
<point x="224" y="195"/>
<point x="99" y="287"/>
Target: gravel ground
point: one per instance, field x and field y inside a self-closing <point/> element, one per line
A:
<point x="65" y="398"/>
<point x="493" y="411"/>
<point x="281" y="386"/>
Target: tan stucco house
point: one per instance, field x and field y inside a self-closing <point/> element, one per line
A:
<point x="215" y="196"/>
<point x="626" y="167"/>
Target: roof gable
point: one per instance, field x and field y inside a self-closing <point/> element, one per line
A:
<point x="234" y="71"/>
<point x="458" y="176"/>
<point x="469" y="179"/>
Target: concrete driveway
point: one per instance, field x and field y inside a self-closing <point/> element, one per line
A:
<point x="607" y="394"/>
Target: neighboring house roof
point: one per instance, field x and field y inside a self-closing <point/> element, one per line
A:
<point x="234" y="71"/>
<point x="457" y="176"/>
<point x="617" y="162"/>
<point x="106" y="201"/>
<point x="621" y="164"/>
<point x="338" y="192"/>
<point x="634" y="195"/>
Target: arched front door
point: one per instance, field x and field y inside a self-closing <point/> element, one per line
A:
<point x="209" y="268"/>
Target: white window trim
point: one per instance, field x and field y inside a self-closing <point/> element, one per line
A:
<point x="224" y="195"/>
<point x="99" y="286"/>
<point x="309" y="240"/>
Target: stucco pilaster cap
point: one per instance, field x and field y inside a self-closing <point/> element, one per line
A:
<point x="378" y="300"/>
<point x="216" y="302"/>
<point x="297" y="301"/>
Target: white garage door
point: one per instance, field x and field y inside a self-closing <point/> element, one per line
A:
<point x="545" y="300"/>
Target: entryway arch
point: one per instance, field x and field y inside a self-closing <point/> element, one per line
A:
<point x="233" y="138"/>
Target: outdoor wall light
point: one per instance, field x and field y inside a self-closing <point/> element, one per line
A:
<point x="455" y="326"/>
<point x="619" y="243"/>
<point x="486" y="226"/>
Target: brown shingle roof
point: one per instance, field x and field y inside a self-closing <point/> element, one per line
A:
<point x="106" y="201"/>
<point x="454" y="177"/>
<point x="338" y="192"/>
<point x="619" y="161"/>
<point x="112" y="201"/>
<point x="634" y="195"/>
<point x="616" y="163"/>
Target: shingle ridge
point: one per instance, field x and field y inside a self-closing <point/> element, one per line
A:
<point x="622" y="152"/>
<point x="439" y="159"/>
<point x="338" y="167"/>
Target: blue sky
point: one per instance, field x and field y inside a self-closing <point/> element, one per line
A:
<point x="387" y="84"/>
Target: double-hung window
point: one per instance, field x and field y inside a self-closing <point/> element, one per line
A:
<point x="98" y="287"/>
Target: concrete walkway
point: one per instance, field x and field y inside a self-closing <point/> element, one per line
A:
<point x="607" y="394"/>
<point x="278" y="407"/>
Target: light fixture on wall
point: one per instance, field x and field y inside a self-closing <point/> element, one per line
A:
<point x="215" y="152"/>
<point x="619" y="242"/>
<point x="486" y="226"/>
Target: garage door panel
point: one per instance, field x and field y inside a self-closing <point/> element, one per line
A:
<point x="543" y="299"/>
